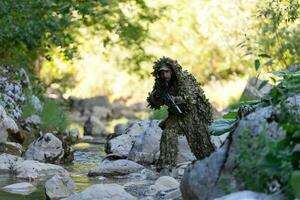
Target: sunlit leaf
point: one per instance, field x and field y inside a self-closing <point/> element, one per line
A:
<point x="222" y="126"/>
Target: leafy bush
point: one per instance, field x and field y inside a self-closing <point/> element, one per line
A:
<point x="266" y="165"/>
<point x="53" y="116"/>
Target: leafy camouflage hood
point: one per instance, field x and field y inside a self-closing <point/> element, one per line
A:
<point x="167" y="62"/>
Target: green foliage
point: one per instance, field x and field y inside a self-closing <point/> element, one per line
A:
<point x="278" y="32"/>
<point x="32" y="29"/>
<point x="27" y="109"/>
<point x="288" y="85"/>
<point x="53" y="116"/>
<point x="159" y="114"/>
<point x="264" y="165"/>
<point x="295" y="183"/>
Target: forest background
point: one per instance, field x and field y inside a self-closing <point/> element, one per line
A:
<point x="89" y="48"/>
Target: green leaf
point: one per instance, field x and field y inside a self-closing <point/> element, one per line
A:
<point x="270" y="162"/>
<point x="273" y="79"/>
<point x="263" y="84"/>
<point x="222" y="126"/>
<point x="263" y="55"/>
<point x="269" y="63"/>
<point x="295" y="183"/>
<point x="230" y="115"/>
<point x="257" y="64"/>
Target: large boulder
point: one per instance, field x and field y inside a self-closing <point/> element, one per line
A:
<point x="59" y="186"/>
<point x="200" y="177"/>
<point x="122" y="144"/>
<point x="47" y="148"/>
<point x="103" y="191"/>
<point x="259" y="121"/>
<point x="9" y="162"/>
<point x="116" y="168"/>
<point x="30" y="169"/>
<point x="146" y="145"/>
<point x="23" y="188"/>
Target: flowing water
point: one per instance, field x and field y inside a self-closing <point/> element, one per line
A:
<point x="86" y="157"/>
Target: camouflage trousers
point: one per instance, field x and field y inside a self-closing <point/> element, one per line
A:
<point x="200" y="145"/>
<point x="168" y="144"/>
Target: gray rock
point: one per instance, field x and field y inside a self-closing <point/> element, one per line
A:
<point x="94" y="126"/>
<point x="137" y="188"/>
<point x="258" y="122"/>
<point x="9" y="162"/>
<point x="59" y="186"/>
<point x="119" y="129"/>
<point x="146" y="145"/>
<point x="116" y="168"/>
<point x="166" y="183"/>
<point x="103" y="191"/>
<point x="6" y="124"/>
<point x="199" y="178"/>
<point x="262" y="120"/>
<point x="101" y="113"/>
<point x="293" y="106"/>
<point x="20" y="188"/>
<point x="249" y="195"/>
<point x="294" y="67"/>
<point x="252" y="90"/>
<point x="33" y="120"/>
<point x="30" y="169"/>
<point x="87" y="138"/>
<point x="36" y="103"/>
<point x="219" y="140"/>
<point x="11" y="148"/>
<point x="173" y="194"/>
<point x="184" y="154"/>
<point x="121" y="145"/>
<point x="47" y="148"/>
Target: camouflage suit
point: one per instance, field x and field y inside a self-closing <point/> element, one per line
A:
<point x="193" y="122"/>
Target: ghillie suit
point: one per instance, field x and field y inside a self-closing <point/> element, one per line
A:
<point x="193" y="122"/>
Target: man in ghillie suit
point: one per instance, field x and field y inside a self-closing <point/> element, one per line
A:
<point x="192" y="118"/>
